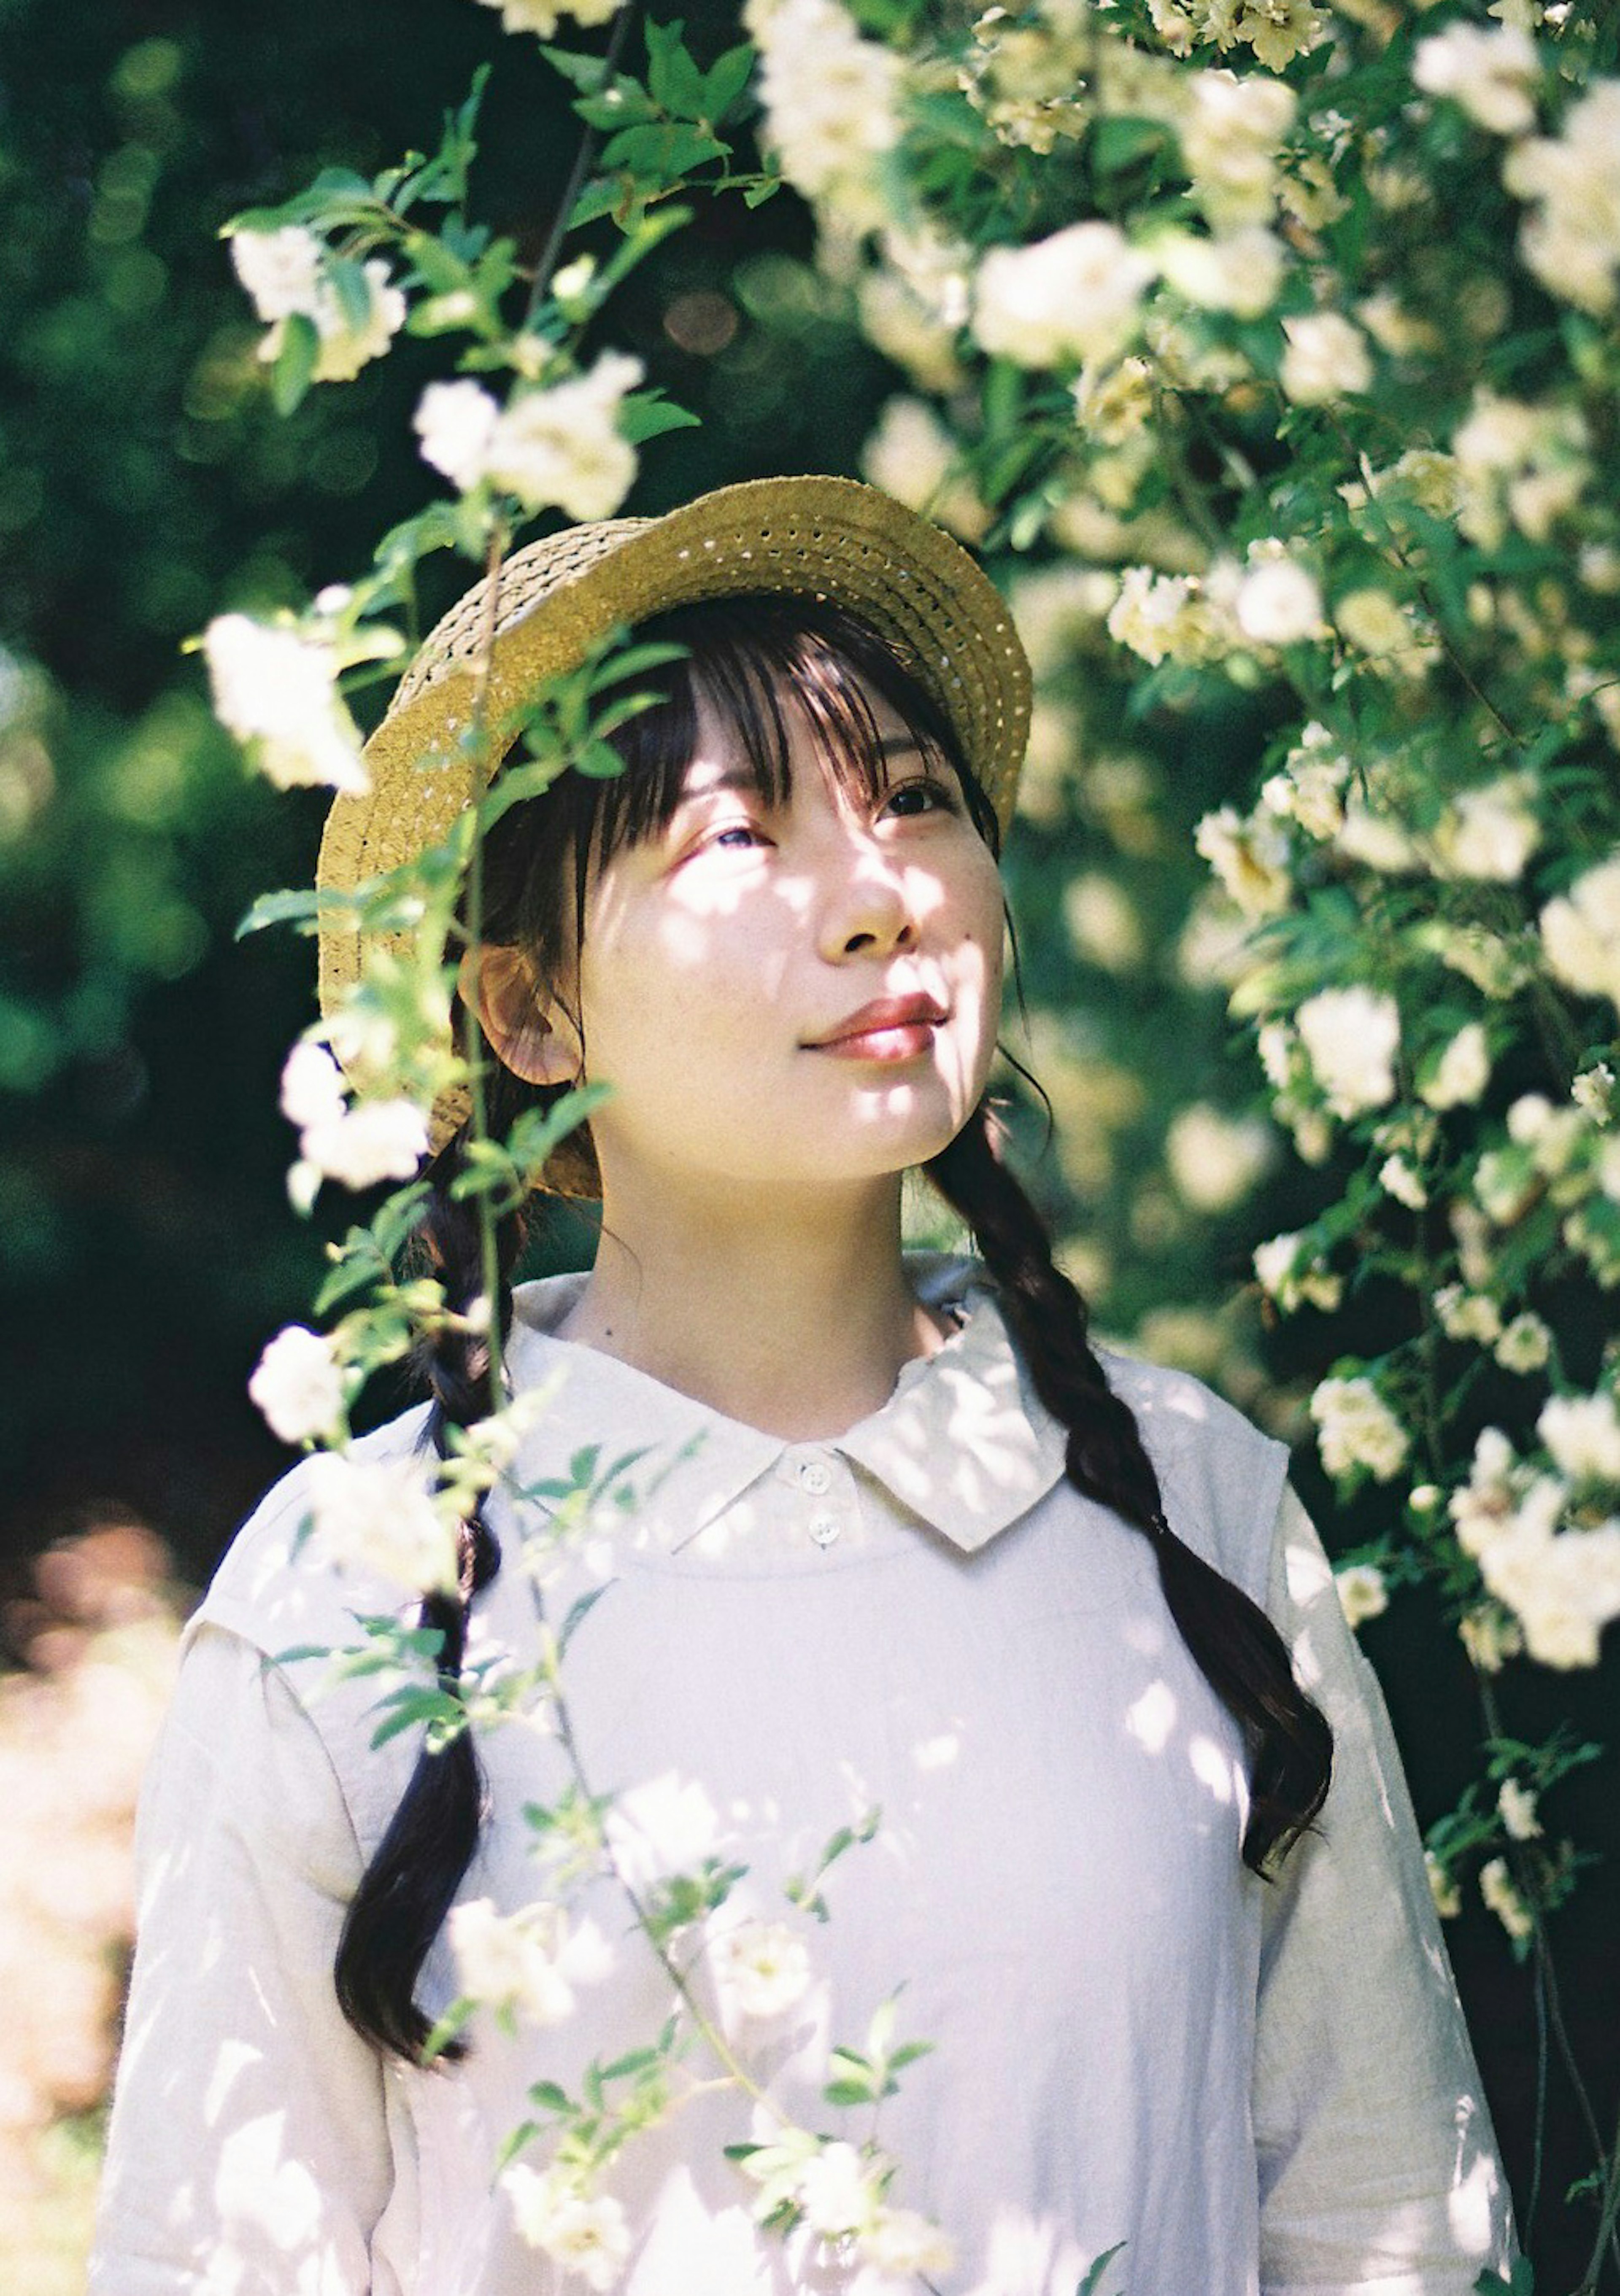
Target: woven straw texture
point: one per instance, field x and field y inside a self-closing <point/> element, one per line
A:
<point x="820" y="536"/>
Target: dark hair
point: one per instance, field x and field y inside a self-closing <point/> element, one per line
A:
<point x="745" y="655"/>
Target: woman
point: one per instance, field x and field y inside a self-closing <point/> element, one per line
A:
<point x="866" y="1532"/>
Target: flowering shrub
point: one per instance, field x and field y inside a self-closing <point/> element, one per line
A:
<point x="1163" y="277"/>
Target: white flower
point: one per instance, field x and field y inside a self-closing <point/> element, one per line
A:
<point x="277" y="690"/>
<point x="1239" y="271"/>
<point x="1581" y="932"/>
<point x="1488" y="832"/>
<point x="542" y="17"/>
<point x="662" y="1827"/>
<point x="311" y="1086"/>
<point x="911" y="455"/>
<point x="1467" y="1314"/>
<point x="1490" y="1637"/>
<point x="1072" y="296"/>
<point x="299" y="1387"/>
<point x="1525" y="1345"/>
<point x="375" y="1140"/>
<point x="1571" y="240"/>
<point x="835" y="2191"/>
<point x="560" y="445"/>
<point x="1491" y="74"/>
<point x="1448" y="1899"/>
<point x="1279" y="602"/>
<point x="1461" y="1072"/>
<point x="527" y="1961"/>
<point x="456" y="421"/>
<point x="1229" y="134"/>
<point x="280" y="269"/>
<point x="902" y="2243"/>
<point x="1214" y="1158"/>
<point x="1565" y="1588"/>
<point x="1515" y="1805"/>
<point x="374" y="1515"/>
<point x="1351" y="1036"/>
<point x="1358" y="1428"/>
<point x="1583" y="1433"/>
<point x="1496" y="1887"/>
<point x="1284" y="1280"/>
<point x="762" y="1967"/>
<point x="1397" y="1177"/>
<point x="831" y="101"/>
<point x="348" y="340"/>
<point x="1361" y="1592"/>
<point x="1326" y="357"/>
<point x="1250" y="858"/>
<point x="1593" y="1091"/>
<point x="585" y="2235"/>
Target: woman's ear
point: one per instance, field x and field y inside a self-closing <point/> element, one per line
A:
<point x="533" y="1037"/>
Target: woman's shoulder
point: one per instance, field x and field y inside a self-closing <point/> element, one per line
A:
<point x="277" y="1586"/>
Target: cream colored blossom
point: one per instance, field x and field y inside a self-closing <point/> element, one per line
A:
<point x="1278" y="602"/>
<point x="1326" y="359"/>
<point x="762" y="1968"/>
<point x="560" y="445"/>
<point x="1515" y="1805"/>
<point x="835" y="2191"/>
<point x="1362" y="1591"/>
<point x="374" y="1515"/>
<point x="585" y="2235"/>
<point x="1170" y="617"/>
<point x="1593" y="1092"/>
<point x="1581" y="932"/>
<point x="901" y="2242"/>
<point x="912" y="457"/>
<point x="526" y="1962"/>
<point x="455" y="422"/>
<point x="1526" y="1344"/>
<point x="1491" y="74"/>
<point x="277" y="690"/>
<point x="1278" y="30"/>
<point x="1103" y="921"/>
<point x="1215" y="1159"/>
<point x="1571" y="240"/>
<point x="908" y="330"/>
<point x="1461" y="1072"/>
<point x="1465" y="1314"/>
<point x="1240" y="271"/>
<point x="1358" y="1428"/>
<point x="542" y="17"/>
<point x="373" y="1141"/>
<point x="1490" y="1637"/>
<point x="280" y="269"/>
<point x="1518" y="462"/>
<point x="831" y="102"/>
<point x="1443" y="1888"/>
<point x="311" y="1086"/>
<point x="1351" y="1036"/>
<point x="1075" y="295"/>
<point x="1496" y="1887"/>
<point x="298" y="1385"/>
<point x="1288" y="1276"/>
<point x="1488" y="832"/>
<point x="1397" y="1177"/>
<point x="1231" y="133"/>
<point x="1250" y="858"/>
<point x="1583" y="1433"/>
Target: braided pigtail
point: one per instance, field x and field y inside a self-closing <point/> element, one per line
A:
<point x="1234" y="1644"/>
<point x="407" y="1889"/>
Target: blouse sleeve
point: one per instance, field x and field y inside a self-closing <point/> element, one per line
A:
<point x="1378" y="2170"/>
<point x="247" y="2151"/>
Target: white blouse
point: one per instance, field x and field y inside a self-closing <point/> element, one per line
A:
<point x="1251" y="2086"/>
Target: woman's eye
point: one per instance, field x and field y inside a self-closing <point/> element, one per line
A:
<point x="736" y="837"/>
<point x="920" y="796"/>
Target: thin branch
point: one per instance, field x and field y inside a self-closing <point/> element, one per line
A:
<point x="577" y="175"/>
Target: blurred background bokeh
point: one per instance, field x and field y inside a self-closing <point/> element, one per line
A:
<point x="149" y="1250"/>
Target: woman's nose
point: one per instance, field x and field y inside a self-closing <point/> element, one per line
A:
<point x="868" y="910"/>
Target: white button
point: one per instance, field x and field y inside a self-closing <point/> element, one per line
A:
<point x="825" y="1529"/>
<point x="815" y="1476"/>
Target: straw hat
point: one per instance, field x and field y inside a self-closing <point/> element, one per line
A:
<point x="826" y="537"/>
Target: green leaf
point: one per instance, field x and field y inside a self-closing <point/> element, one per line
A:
<point x="600" y="197"/>
<point x="352" y="288"/>
<point x="647" y="414"/>
<point x="577" y="1614"/>
<point x="728" y="76"/>
<point x="294" y="368"/>
<point x="550" y="2098"/>
<point x="631" y="662"/>
<point x="673" y="77"/>
<point x="621" y="106"/>
<point x="662" y="156"/>
<point x="298" y="905"/>
<point x="1089" y="2286"/>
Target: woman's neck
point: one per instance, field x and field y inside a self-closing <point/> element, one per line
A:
<point x="796" y="1319"/>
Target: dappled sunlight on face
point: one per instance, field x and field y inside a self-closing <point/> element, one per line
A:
<point x="804" y="993"/>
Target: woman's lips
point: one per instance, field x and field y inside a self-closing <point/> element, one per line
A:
<point x="892" y="1029"/>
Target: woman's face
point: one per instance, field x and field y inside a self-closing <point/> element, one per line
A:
<point x="802" y="996"/>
